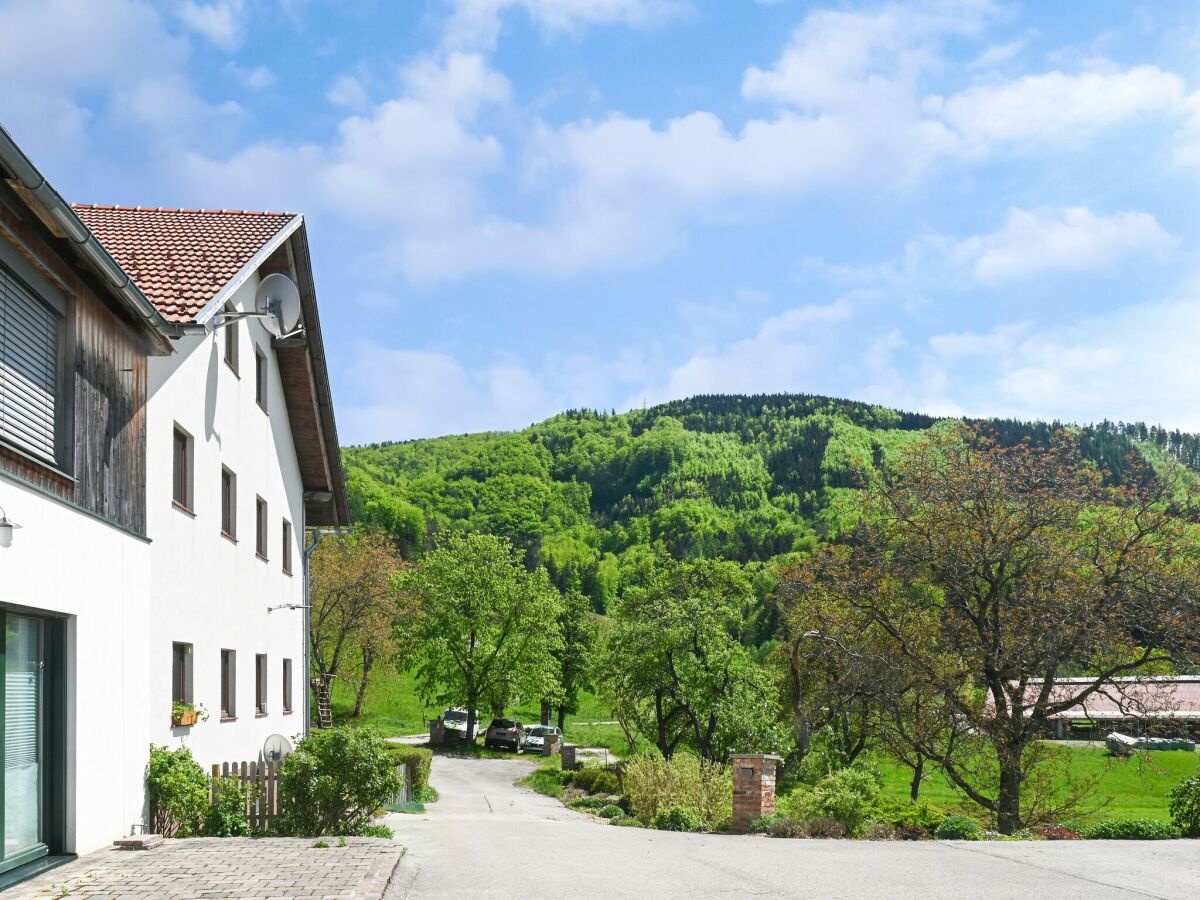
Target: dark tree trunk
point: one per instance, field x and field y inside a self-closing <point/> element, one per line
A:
<point x="545" y="712"/>
<point x="1008" y="806"/>
<point x="562" y="719"/>
<point x="914" y="789"/>
<point x="368" y="662"/>
<point x="472" y="700"/>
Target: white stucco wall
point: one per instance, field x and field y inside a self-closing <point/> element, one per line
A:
<point x="207" y="590"/>
<point x="64" y="561"/>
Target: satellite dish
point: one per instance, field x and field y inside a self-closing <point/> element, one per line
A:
<point x="276" y="747"/>
<point x="278" y="300"/>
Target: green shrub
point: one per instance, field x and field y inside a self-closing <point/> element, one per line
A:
<point x="847" y="796"/>
<point x="678" y="818"/>
<point x="418" y="759"/>
<point x="597" y="781"/>
<point x="626" y="822"/>
<point x="900" y="813"/>
<point x="879" y="831"/>
<point x="958" y="828"/>
<point x="611" y="811"/>
<point x="178" y="790"/>
<point x="335" y="781"/>
<point x="1131" y="830"/>
<point x="762" y="825"/>
<point x="426" y="794"/>
<point x="784" y="827"/>
<point x="653" y="784"/>
<point x="1185" y="806"/>
<point x="226" y="816"/>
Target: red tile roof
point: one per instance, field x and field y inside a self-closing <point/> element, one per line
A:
<point x="181" y="258"/>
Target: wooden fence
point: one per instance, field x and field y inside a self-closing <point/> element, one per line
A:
<point x="263" y="806"/>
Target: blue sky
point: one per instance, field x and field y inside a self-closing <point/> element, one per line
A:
<point x="519" y="206"/>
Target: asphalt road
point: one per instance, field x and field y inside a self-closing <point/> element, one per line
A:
<point x="487" y="838"/>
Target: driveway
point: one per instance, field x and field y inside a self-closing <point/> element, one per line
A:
<point x="487" y="838"/>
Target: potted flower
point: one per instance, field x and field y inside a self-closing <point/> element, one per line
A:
<point x="185" y="714"/>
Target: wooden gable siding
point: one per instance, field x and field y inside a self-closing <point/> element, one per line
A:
<point x="103" y="379"/>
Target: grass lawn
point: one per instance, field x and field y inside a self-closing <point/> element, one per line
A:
<point x="1135" y="787"/>
<point x="392" y="706"/>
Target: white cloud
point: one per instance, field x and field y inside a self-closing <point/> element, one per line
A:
<point x="475" y="24"/>
<point x="222" y="21"/>
<point x="257" y="79"/>
<point x="419" y="393"/>
<point x="968" y="345"/>
<point x="348" y="91"/>
<point x="998" y="55"/>
<point x="1075" y="239"/>
<point x="1057" y="105"/>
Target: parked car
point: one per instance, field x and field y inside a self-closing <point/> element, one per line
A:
<point x="505" y="733"/>
<point x="455" y="724"/>
<point x="535" y="736"/>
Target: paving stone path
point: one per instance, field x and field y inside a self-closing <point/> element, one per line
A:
<point x="243" y="868"/>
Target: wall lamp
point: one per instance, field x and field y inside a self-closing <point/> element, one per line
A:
<point x="6" y="529"/>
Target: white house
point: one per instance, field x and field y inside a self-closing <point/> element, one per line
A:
<point x="162" y="455"/>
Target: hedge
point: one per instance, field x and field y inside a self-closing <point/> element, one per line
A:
<point x="418" y="759"/>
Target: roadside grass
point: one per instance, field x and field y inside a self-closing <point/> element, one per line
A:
<point x="412" y="807"/>
<point x="1133" y="787"/>
<point x="546" y="778"/>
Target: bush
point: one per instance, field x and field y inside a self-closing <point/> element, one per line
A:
<point x="611" y="811"/>
<point x="178" y="791"/>
<point x="912" y="833"/>
<point x="900" y="813"/>
<point x="375" y="831"/>
<point x="226" y="816"/>
<point x="626" y="822"/>
<point x="679" y="818"/>
<point x="958" y="828"/>
<point x="1132" y="830"/>
<point x="653" y="784"/>
<point x="335" y="781"/>
<point x="763" y="824"/>
<point x="1185" y="806"/>
<point x="597" y="781"/>
<point x="823" y="827"/>
<point x="847" y="796"/>
<point x="418" y="759"/>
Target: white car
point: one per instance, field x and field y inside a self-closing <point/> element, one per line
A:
<point x="535" y="736"/>
<point x="454" y="724"/>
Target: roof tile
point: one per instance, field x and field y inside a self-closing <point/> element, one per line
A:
<point x="181" y="258"/>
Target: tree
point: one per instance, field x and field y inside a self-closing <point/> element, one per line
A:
<point x="487" y="628"/>
<point x="676" y="672"/>
<point x="980" y="574"/>
<point x="355" y="609"/>
<point x="579" y="630"/>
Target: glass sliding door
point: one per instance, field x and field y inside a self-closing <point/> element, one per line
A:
<point x="23" y="711"/>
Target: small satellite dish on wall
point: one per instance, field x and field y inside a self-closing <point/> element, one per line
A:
<point x="276" y="747"/>
<point x="278" y="301"/>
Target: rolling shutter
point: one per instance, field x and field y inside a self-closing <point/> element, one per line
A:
<point x="28" y="368"/>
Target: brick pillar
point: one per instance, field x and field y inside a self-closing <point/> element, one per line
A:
<point x="550" y="745"/>
<point x="753" y="788"/>
<point x="437" y="732"/>
<point x="568" y="757"/>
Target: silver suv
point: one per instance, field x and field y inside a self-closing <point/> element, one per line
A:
<point x="505" y="733"/>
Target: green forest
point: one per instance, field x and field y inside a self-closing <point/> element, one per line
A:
<point x="597" y="497"/>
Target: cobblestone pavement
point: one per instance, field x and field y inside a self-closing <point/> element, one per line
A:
<point x="245" y="868"/>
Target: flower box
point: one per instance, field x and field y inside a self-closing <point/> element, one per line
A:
<point x="184" y="717"/>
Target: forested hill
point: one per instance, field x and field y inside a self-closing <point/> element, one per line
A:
<point x="595" y="495"/>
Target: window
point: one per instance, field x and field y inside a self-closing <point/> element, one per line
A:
<point x="260" y="684"/>
<point x="231" y="339"/>
<point x="28" y="368"/>
<point x="181" y="466"/>
<point x="260" y="378"/>
<point x="287" y="547"/>
<point x="287" y="686"/>
<point x="228" y="503"/>
<point x="228" y="684"/>
<point x="260" y="527"/>
<point x="181" y="673"/>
